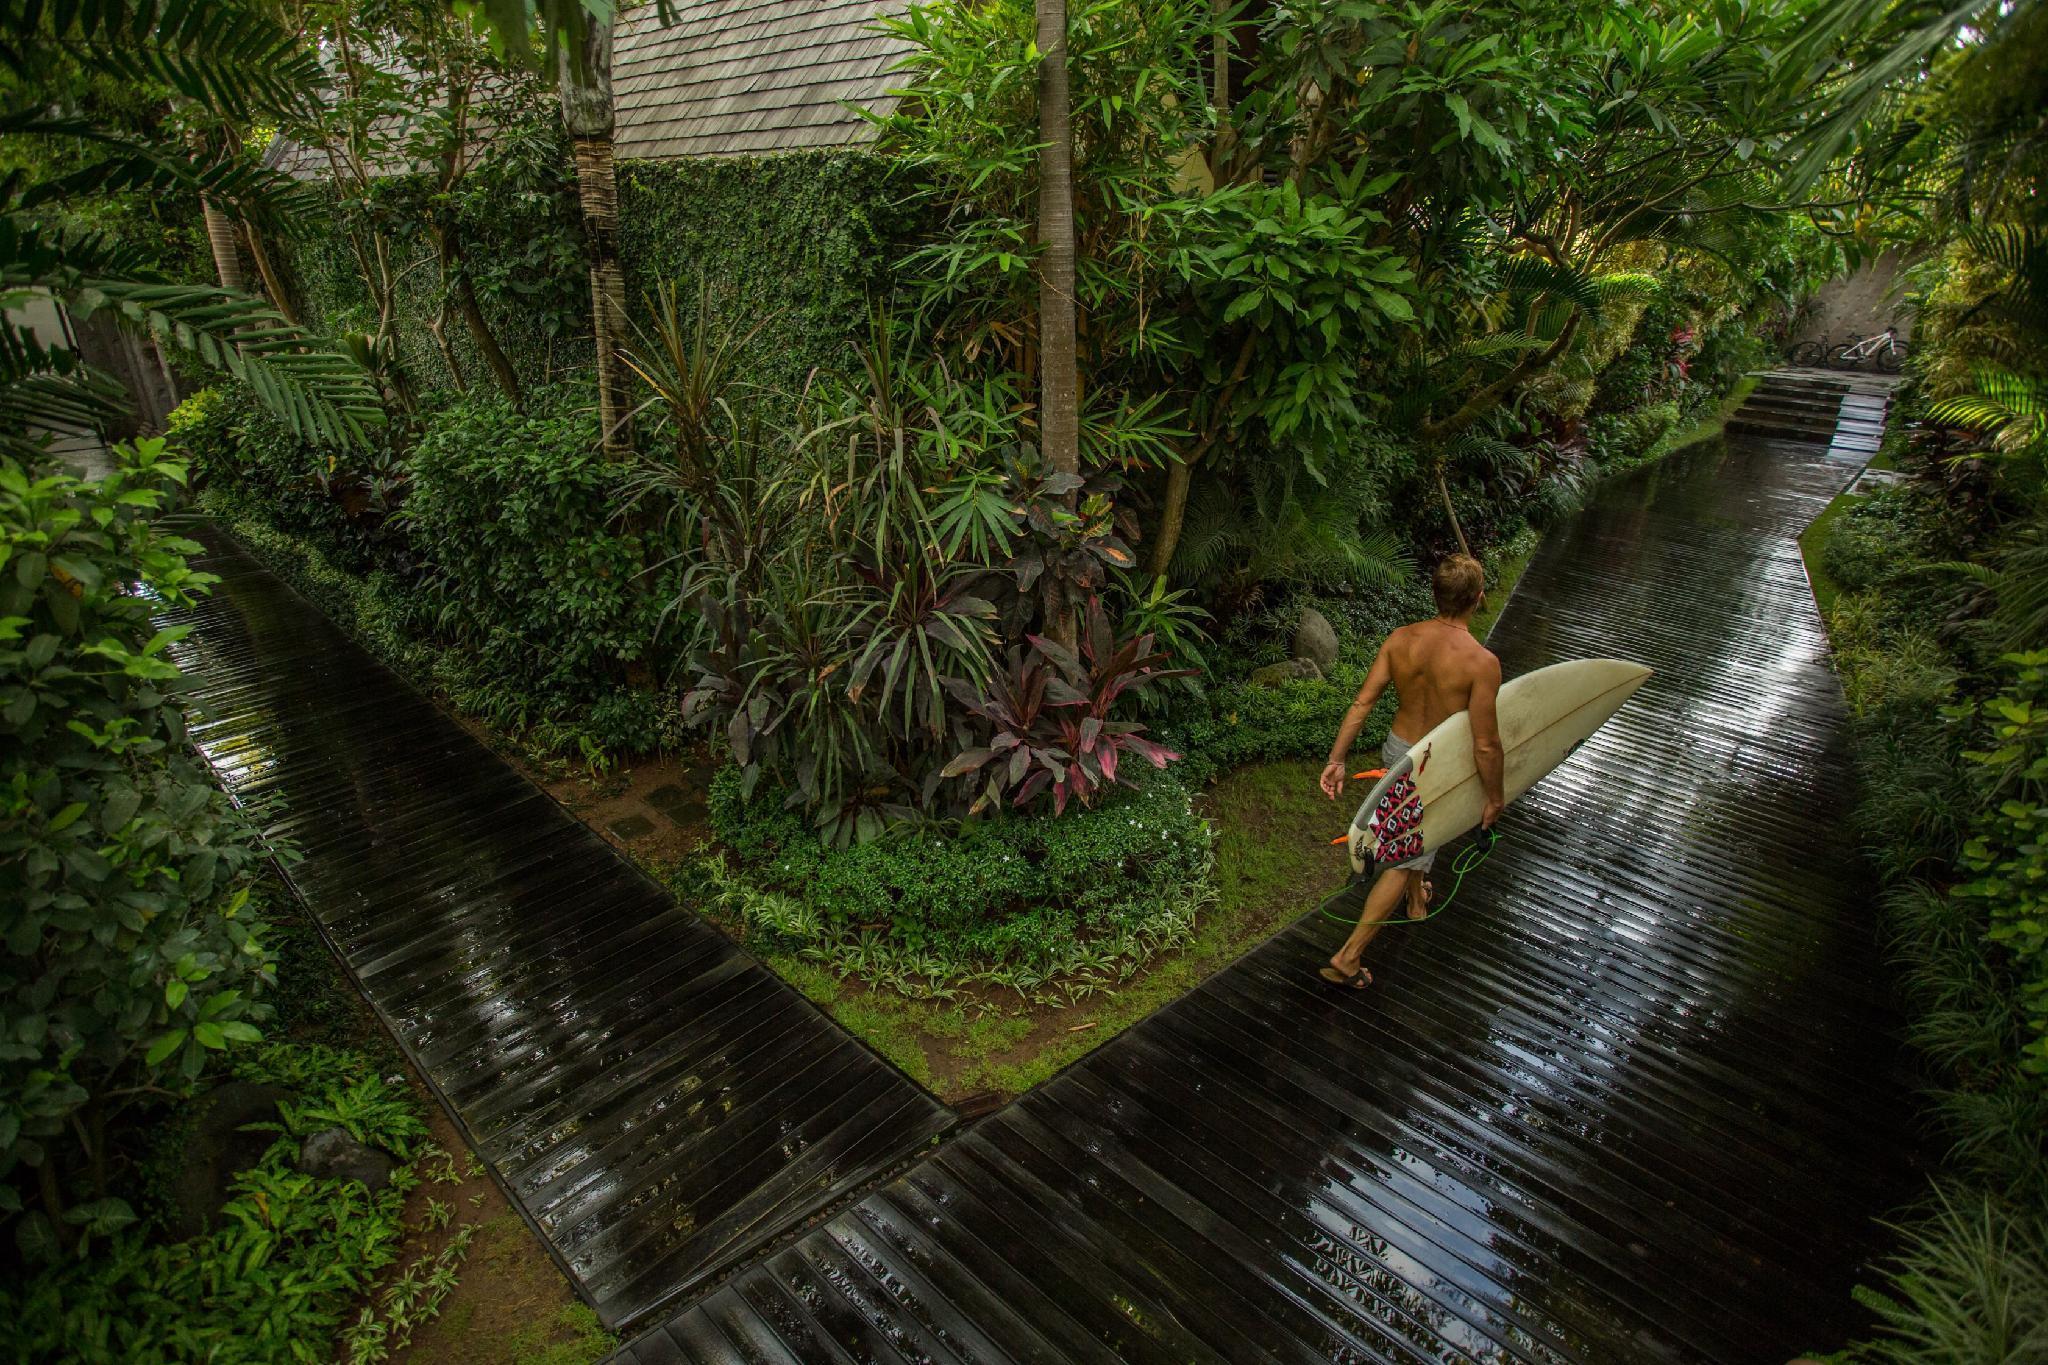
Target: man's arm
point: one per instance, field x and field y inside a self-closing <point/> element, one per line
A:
<point x="1377" y="679"/>
<point x="1487" y="754"/>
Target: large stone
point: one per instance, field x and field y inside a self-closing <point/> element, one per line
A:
<point x="1290" y="670"/>
<point x="334" y="1155"/>
<point x="1315" y="638"/>
<point x="218" y="1149"/>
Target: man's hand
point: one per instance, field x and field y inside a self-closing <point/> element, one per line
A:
<point x="1332" y="780"/>
<point x="1490" y="814"/>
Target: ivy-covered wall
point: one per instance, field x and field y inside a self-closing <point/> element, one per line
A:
<point x="797" y="243"/>
<point x="542" y="321"/>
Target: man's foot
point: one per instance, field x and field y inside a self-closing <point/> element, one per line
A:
<point x="1418" y="898"/>
<point x="1356" y="980"/>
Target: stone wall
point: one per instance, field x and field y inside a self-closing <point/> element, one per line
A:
<point x="1857" y="305"/>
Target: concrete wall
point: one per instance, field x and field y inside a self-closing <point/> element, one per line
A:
<point x="1857" y="305"/>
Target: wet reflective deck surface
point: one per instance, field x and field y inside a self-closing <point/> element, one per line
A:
<point x="1634" y="1098"/>
<point x="656" y="1102"/>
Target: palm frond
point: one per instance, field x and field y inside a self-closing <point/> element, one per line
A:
<point x="322" y="393"/>
<point x="266" y="199"/>
<point x="234" y="59"/>
<point x="1533" y="278"/>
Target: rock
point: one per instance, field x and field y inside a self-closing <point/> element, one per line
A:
<point x="333" y="1154"/>
<point x="1293" y="670"/>
<point x="217" y="1150"/>
<point x="1315" y="638"/>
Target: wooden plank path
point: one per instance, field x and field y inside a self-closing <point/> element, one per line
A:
<point x="655" y="1102"/>
<point x="1632" y="1099"/>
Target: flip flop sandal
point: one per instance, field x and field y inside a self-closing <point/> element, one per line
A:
<point x="1357" y="981"/>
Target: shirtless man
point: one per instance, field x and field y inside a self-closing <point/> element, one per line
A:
<point x="1437" y="670"/>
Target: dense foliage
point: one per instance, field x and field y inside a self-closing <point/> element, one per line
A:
<point x="1939" y="633"/>
<point x="799" y="244"/>
<point x="493" y="563"/>
<point x="1070" y="904"/>
<point x="75" y="147"/>
<point x="130" y="950"/>
<point x="282" y="1271"/>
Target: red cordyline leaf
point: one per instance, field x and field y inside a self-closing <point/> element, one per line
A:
<point x="1108" y="760"/>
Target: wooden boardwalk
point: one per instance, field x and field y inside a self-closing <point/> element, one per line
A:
<point x="1633" y="1099"/>
<point x="655" y="1102"/>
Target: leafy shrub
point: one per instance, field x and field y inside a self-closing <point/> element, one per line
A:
<point x="2005" y="859"/>
<point x="235" y="443"/>
<point x="505" y="578"/>
<point x="280" y="1273"/>
<point x="1051" y="722"/>
<point x="131" y="953"/>
<point x="1873" y="541"/>
<point x="1239" y="723"/>
<point x="526" y="569"/>
<point x="1616" y="440"/>
<point x="1022" y="899"/>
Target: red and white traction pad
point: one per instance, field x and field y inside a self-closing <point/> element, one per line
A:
<point x="1395" y="827"/>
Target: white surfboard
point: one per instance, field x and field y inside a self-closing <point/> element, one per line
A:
<point x="1433" y="795"/>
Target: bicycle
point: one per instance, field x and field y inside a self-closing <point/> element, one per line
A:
<point x="1883" y="351"/>
<point x="1811" y="355"/>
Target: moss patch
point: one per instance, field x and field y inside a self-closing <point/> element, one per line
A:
<point x="1814" y="539"/>
<point x="1505" y="572"/>
<point x="1273" y="863"/>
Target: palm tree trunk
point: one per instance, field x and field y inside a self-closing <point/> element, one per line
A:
<point x="1059" y="382"/>
<point x="220" y="235"/>
<point x="274" y="287"/>
<point x="1444" y="490"/>
<point x="586" y="87"/>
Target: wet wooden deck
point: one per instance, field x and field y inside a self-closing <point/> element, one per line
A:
<point x="655" y="1102"/>
<point x="1633" y="1099"/>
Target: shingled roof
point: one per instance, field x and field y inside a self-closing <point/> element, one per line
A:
<point x="743" y="77"/>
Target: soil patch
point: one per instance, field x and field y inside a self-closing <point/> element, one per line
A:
<point x="510" y="1302"/>
<point x="652" y="808"/>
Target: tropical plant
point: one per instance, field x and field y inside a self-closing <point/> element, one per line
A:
<point x="233" y="62"/>
<point x="1052" y="722"/>
<point x="131" y="952"/>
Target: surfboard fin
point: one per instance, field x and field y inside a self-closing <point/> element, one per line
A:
<point x="1375" y="772"/>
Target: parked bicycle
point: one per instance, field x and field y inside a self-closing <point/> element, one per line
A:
<point x="1880" y="351"/>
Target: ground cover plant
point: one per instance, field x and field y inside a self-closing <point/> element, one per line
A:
<point x="1933" y="592"/>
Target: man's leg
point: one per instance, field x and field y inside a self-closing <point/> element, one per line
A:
<point x="1389" y="891"/>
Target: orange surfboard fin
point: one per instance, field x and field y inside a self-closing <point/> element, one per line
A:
<point x="1376" y="772"/>
<point x="1341" y="838"/>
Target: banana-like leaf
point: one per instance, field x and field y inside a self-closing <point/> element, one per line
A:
<point x="317" y="389"/>
<point x="1533" y="277"/>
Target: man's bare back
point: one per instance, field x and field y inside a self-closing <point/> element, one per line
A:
<point x="1434" y="667"/>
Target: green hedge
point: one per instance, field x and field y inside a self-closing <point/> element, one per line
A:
<point x="507" y="577"/>
<point x="1019" y="899"/>
<point x="797" y="244"/>
<point x="524" y="249"/>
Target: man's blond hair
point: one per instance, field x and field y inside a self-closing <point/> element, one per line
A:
<point x="1459" y="583"/>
